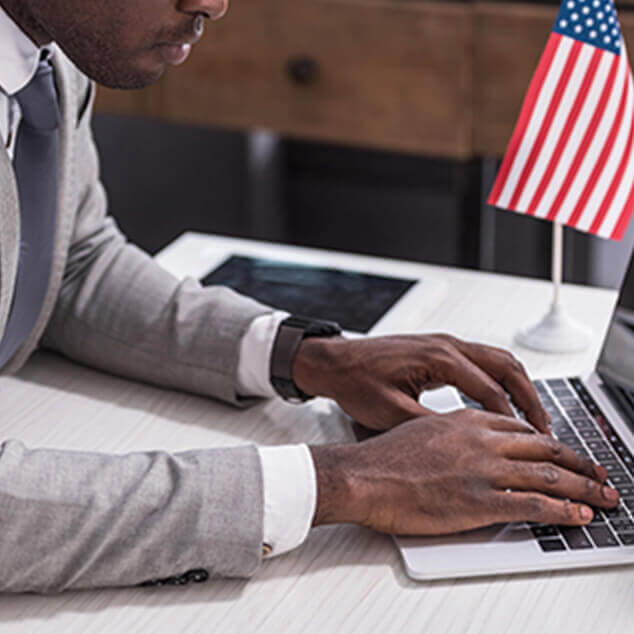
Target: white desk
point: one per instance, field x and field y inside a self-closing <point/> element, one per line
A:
<point x="344" y="579"/>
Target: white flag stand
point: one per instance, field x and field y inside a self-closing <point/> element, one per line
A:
<point x="557" y="331"/>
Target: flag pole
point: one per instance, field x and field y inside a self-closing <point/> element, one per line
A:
<point x="556" y="331"/>
<point x="557" y="260"/>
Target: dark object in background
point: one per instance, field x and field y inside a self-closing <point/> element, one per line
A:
<point x="356" y="301"/>
<point x="163" y="179"/>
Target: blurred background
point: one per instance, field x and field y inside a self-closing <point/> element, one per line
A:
<point x="371" y="126"/>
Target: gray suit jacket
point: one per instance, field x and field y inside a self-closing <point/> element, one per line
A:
<point x="79" y="520"/>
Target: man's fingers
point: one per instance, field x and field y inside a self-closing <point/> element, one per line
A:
<point x="542" y="448"/>
<point x="410" y="407"/>
<point x="518" y="506"/>
<point x="549" y="478"/>
<point x="509" y="373"/>
<point x="397" y="407"/>
<point x="477" y="384"/>
<point x="507" y="424"/>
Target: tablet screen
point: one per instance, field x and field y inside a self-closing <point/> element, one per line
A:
<point x="356" y="301"/>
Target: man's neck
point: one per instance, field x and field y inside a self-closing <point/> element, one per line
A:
<point x="25" y="20"/>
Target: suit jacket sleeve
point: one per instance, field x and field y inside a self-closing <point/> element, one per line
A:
<point x="74" y="520"/>
<point x="119" y="311"/>
<point x="84" y="520"/>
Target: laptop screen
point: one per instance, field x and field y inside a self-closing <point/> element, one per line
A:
<point x="616" y="363"/>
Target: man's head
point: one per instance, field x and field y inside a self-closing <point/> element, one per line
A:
<point x="118" y="43"/>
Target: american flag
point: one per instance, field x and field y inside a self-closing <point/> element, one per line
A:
<point x="571" y="156"/>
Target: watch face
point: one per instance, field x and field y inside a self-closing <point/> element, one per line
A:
<point x="354" y="300"/>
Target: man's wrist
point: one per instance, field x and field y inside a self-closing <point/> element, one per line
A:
<point x="340" y="493"/>
<point x="290" y="335"/>
<point x="315" y="365"/>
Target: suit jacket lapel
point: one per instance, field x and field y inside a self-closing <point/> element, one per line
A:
<point x="65" y="213"/>
<point x="67" y="88"/>
<point x="65" y="216"/>
<point x="9" y="234"/>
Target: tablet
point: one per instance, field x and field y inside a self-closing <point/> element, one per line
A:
<point x="369" y="296"/>
<point x="355" y="300"/>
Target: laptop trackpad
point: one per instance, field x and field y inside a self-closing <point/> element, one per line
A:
<point x="491" y="550"/>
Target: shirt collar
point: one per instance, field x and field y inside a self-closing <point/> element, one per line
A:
<point x="19" y="56"/>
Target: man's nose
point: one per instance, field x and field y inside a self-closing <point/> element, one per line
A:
<point x="213" y="9"/>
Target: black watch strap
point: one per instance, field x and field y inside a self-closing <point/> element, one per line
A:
<point x="292" y="331"/>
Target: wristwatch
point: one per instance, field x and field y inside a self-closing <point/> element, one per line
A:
<point x="292" y="331"/>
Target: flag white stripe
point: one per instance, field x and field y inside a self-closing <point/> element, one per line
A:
<point x="558" y="123"/>
<point x="618" y="206"/>
<point x="534" y="125"/>
<point x="583" y="121"/>
<point x="603" y="184"/>
<point x="596" y="145"/>
<point x="622" y="193"/>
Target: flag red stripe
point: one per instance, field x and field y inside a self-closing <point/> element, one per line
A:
<point x="530" y="101"/>
<point x="587" y="140"/>
<point x="547" y="122"/>
<point x="614" y="185"/>
<point x="624" y="219"/>
<point x="571" y="121"/>
<point x="601" y="161"/>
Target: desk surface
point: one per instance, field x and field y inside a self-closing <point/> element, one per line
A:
<point x="344" y="579"/>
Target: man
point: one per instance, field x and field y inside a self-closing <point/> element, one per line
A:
<point x="69" y="281"/>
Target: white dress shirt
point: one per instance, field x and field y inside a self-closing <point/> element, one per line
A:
<point x="288" y="510"/>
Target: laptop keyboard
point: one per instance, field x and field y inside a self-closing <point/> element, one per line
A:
<point x="578" y="422"/>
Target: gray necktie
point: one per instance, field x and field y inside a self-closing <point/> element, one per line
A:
<point x="36" y="164"/>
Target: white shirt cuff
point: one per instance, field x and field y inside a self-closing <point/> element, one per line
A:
<point x="290" y="496"/>
<point x="255" y="356"/>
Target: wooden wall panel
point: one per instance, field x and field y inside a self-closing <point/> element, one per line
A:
<point x="510" y="41"/>
<point x="393" y="75"/>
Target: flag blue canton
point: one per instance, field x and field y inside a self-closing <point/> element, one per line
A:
<point x="591" y="21"/>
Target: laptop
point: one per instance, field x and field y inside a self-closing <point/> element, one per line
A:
<point x="595" y="416"/>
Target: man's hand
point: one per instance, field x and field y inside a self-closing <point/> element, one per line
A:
<point x="455" y="472"/>
<point x="378" y="380"/>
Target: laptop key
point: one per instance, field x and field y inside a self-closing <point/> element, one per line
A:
<point x="551" y="545"/>
<point x="544" y="531"/>
<point x="612" y="464"/>
<point x="627" y="539"/>
<point x="622" y="525"/>
<point x="616" y="513"/>
<point x="619" y="478"/>
<point x="602" y="536"/>
<point x="575" y="537"/>
<point x="598" y="515"/>
<point x="603" y="456"/>
<point x="582" y="423"/>
<point x="628" y="502"/>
